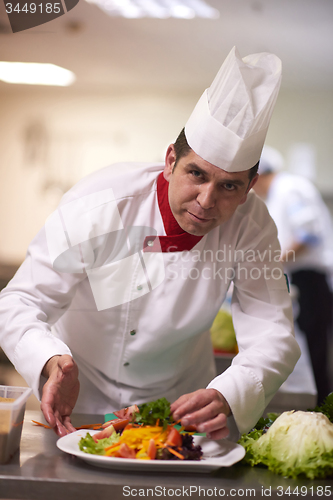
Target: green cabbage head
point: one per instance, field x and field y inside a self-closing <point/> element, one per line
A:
<point x="297" y="443"/>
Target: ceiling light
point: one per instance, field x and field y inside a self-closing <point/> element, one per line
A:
<point x="183" y="12"/>
<point x="35" y="74"/>
<point x="161" y="9"/>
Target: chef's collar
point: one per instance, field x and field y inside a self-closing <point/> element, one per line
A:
<point x="176" y="240"/>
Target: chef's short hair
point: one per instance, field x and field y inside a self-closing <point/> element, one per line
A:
<point x="182" y="148"/>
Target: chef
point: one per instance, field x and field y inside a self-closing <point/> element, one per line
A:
<point x="114" y="301"/>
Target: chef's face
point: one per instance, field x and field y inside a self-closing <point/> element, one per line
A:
<point x="201" y="195"/>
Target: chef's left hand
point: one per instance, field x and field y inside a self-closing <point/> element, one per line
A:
<point x="205" y="408"/>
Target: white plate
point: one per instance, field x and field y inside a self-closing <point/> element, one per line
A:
<point x="216" y="454"/>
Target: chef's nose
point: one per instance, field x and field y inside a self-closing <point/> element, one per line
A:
<point x="207" y="196"/>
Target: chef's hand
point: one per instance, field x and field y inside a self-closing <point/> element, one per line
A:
<point x="60" y="393"/>
<point x="207" y="409"/>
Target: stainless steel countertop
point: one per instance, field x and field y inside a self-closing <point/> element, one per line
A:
<point x="40" y="471"/>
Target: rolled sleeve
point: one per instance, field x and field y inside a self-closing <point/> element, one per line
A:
<point x="26" y="353"/>
<point x="244" y="393"/>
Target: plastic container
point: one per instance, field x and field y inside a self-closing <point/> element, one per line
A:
<point x="12" y="408"/>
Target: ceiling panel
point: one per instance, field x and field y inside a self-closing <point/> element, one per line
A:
<point x="172" y="54"/>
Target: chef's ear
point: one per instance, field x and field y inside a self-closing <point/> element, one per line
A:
<point x="170" y="160"/>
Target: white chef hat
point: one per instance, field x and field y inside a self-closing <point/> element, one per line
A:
<point x="271" y="160"/>
<point x="229" y="124"/>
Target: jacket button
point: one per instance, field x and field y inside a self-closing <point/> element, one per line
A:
<point x="126" y="364"/>
<point x="132" y="332"/>
<point x="150" y="243"/>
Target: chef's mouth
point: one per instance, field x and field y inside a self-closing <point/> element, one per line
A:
<point x="200" y="219"/>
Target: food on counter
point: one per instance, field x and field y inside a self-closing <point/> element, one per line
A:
<point x="97" y="446"/>
<point x="144" y="442"/>
<point x="128" y="412"/>
<point x="222" y="333"/>
<point x="4" y="432"/>
<point x="12" y="408"/>
<point x="150" y="413"/>
<point x="5" y="428"/>
<point x="5" y="419"/>
<point x="109" y="427"/>
<point x="296" y="443"/>
<point x="150" y="435"/>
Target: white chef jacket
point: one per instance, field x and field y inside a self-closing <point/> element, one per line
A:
<point x="137" y="322"/>
<point x="301" y="216"/>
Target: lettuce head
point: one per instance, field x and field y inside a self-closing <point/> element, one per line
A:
<point x="297" y="443"/>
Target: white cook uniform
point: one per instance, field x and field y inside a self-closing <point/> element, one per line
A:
<point x="151" y="339"/>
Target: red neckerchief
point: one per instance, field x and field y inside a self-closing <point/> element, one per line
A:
<point x="177" y="240"/>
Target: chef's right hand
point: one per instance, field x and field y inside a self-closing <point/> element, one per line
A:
<point x="60" y="393"/>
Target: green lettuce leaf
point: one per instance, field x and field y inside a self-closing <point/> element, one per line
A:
<point x="88" y="445"/>
<point x="297" y="443"/>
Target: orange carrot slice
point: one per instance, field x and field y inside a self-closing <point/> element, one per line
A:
<point x="174" y="452"/>
<point x="41" y="425"/>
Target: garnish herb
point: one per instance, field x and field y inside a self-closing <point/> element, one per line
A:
<point x="327" y="407"/>
<point x="155" y="413"/>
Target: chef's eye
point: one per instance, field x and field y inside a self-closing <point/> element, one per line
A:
<point x="229" y="187"/>
<point x="196" y="173"/>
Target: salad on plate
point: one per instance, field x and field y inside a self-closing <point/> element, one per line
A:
<point x="145" y="433"/>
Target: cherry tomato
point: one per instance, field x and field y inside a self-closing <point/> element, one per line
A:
<point x="105" y="433"/>
<point x="127" y="412"/>
<point x="151" y="452"/>
<point x="174" y="438"/>
<point x="190" y="428"/>
<point x="125" y="451"/>
<point x="117" y="423"/>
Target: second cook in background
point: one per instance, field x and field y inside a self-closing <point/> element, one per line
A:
<point x="306" y="237"/>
